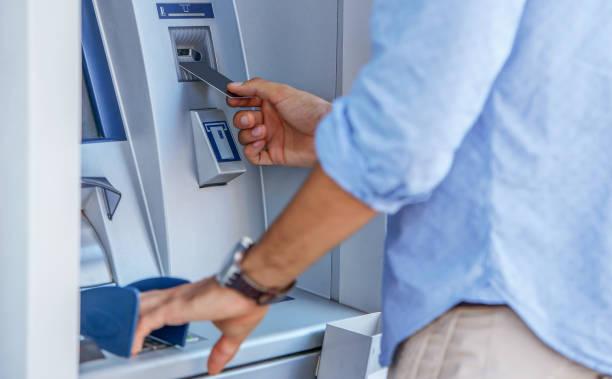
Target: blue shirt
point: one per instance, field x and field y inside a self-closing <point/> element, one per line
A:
<point x="484" y="128"/>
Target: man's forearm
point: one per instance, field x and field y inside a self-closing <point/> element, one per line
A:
<point x="320" y="216"/>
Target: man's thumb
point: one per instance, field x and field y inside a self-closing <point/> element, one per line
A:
<point x="223" y="352"/>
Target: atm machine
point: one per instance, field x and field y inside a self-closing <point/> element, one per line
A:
<point x="165" y="190"/>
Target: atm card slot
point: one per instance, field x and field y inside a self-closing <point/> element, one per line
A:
<point x="202" y="71"/>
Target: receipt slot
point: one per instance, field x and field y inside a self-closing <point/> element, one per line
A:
<point x="217" y="158"/>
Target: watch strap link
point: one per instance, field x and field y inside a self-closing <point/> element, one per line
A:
<point x="262" y="296"/>
<point x="240" y="284"/>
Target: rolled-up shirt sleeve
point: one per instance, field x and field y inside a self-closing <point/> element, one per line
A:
<point x="392" y="139"/>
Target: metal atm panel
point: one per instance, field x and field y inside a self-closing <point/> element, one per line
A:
<point x="166" y="224"/>
<point x="192" y="227"/>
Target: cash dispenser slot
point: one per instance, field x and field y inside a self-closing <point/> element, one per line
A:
<point x="99" y="202"/>
<point x="112" y="196"/>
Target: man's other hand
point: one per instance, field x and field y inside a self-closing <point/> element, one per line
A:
<point x="235" y="316"/>
<point x="282" y="131"/>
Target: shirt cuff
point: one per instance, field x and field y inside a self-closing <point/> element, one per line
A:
<point x="348" y="163"/>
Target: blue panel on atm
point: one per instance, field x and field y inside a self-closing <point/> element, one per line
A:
<point x="172" y="334"/>
<point x="101" y="114"/>
<point x="185" y="10"/>
<point x="109" y="315"/>
<point x="222" y="141"/>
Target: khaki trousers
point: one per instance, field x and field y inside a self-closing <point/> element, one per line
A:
<point x="481" y="342"/>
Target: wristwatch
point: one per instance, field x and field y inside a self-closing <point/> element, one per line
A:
<point x="232" y="276"/>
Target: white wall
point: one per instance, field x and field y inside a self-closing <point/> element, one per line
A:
<point x="40" y="110"/>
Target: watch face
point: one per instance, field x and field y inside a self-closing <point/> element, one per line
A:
<point x="232" y="264"/>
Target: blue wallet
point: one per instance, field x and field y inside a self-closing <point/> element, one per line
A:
<point x="109" y="315"/>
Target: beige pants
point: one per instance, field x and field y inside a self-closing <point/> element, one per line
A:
<point x="481" y="342"/>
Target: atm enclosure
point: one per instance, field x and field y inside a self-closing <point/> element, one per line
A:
<point x="166" y="190"/>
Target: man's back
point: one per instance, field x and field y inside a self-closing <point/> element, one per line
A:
<point x="523" y="213"/>
<point x="529" y="197"/>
